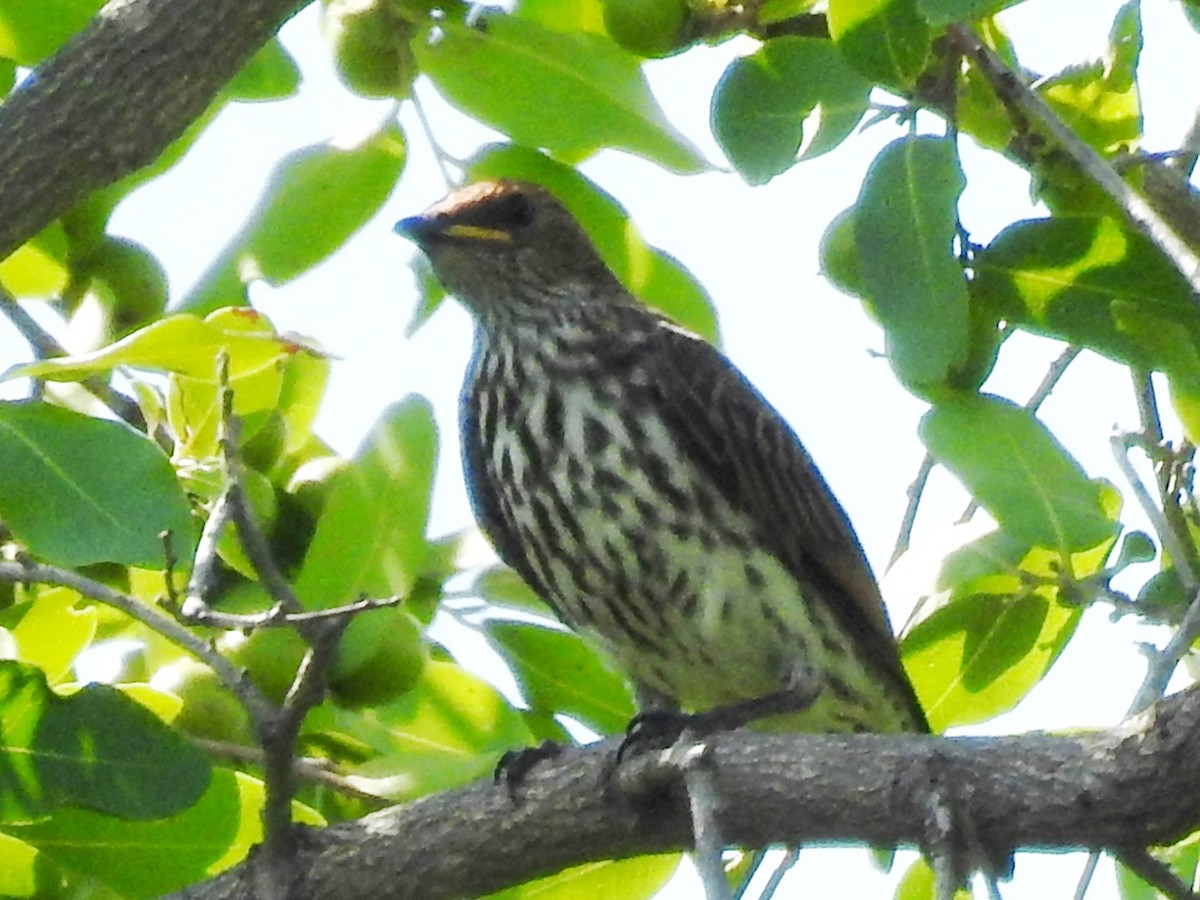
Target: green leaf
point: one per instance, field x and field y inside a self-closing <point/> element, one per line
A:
<point x="79" y="490"/>
<point x="978" y="657"/>
<point x="918" y="883"/>
<point x="1100" y="101"/>
<point x="1013" y="465"/>
<point x="1090" y="282"/>
<point x="50" y="632"/>
<point x="763" y="101"/>
<point x="652" y="275"/>
<point x="149" y="859"/>
<point x="38" y="268"/>
<point x="1000" y="624"/>
<point x="572" y="93"/>
<point x="19" y="876"/>
<point x="31" y="31"/>
<point x="944" y="12"/>
<point x="563" y="15"/>
<point x="1182" y="858"/>
<point x="370" y="538"/>
<point x="271" y="74"/>
<point x="316" y="199"/>
<point x="502" y="586"/>
<point x="95" y="749"/>
<point x="183" y="344"/>
<point x="559" y="672"/>
<point x="886" y="40"/>
<point x="629" y="879"/>
<point x="905" y="223"/>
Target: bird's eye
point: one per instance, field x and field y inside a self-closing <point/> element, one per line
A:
<point x="511" y="213"/>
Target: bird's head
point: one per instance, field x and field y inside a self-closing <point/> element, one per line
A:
<point x="509" y="249"/>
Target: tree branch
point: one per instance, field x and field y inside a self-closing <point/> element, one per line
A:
<point x="113" y="98"/>
<point x="1014" y="92"/>
<point x="1134" y="785"/>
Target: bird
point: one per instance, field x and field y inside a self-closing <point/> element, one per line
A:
<point x="647" y="492"/>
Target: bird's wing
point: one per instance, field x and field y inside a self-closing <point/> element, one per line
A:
<point x="489" y="510"/>
<point x="740" y="442"/>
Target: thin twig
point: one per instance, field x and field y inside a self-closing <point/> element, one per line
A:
<point x="1162" y="664"/>
<point x="915" y="491"/>
<point x="29" y="572"/>
<point x="439" y="156"/>
<point x="194" y="607"/>
<point x="306" y="768"/>
<point x="1155" y="873"/>
<point x="277" y="617"/>
<point x="1013" y="92"/>
<point x="692" y="758"/>
<point x="785" y="866"/>
<point x="1086" y="876"/>
<point x="254" y="542"/>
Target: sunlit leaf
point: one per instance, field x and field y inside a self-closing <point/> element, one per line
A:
<point x="449" y="730"/>
<point x="38" y="268"/>
<point x="316" y="199"/>
<point x="79" y="490"/>
<point x="148" y="859"/>
<point x="271" y="74"/>
<point x="904" y="227"/>
<point x="183" y="344"/>
<point x="571" y="93"/>
<point x="629" y="879"/>
<point x="50" y="632"/>
<point x="560" y="672"/>
<point x="29" y="32"/>
<point x="764" y="100"/>
<point x="370" y="538"/>
<point x="1016" y="468"/>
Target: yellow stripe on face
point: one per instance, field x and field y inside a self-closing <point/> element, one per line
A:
<point x="478" y="233"/>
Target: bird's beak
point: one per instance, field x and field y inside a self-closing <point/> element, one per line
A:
<point x="422" y="229"/>
<point x="417" y="229"/>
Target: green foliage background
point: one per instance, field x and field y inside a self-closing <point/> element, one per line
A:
<point x="81" y="813"/>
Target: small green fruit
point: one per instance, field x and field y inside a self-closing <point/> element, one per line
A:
<point x="271" y="656"/>
<point x="370" y="41"/>
<point x="650" y="28"/>
<point x="133" y="282"/>
<point x="382" y="656"/>
<point x="209" y="710"/>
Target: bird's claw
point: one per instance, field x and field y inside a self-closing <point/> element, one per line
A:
<point x="515" y="765"/>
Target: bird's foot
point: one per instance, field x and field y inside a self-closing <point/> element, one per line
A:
<point x="515" y="765"/>
<point x="654" y="729"/>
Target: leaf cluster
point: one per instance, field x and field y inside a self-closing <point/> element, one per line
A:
<point x="114" y="469"/>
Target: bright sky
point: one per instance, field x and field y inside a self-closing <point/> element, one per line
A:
<point x="756" y="252"/>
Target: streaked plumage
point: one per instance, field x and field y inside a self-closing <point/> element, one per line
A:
<point x="643" y="487"/>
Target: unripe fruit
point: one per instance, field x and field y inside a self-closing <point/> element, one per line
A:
<point x="370" y="41"/>
<point x="382" y="657"/>
<point x="209" y="710"/>
<point x="650" y="28"/>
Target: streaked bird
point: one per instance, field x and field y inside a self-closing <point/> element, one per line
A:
<point x="651" y="496"/>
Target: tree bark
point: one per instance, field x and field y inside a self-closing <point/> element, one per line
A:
<point x="1128" y="787"/>
<point x="115" y="96"/>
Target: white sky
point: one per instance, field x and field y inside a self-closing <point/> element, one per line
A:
<point x="756" y="252"/>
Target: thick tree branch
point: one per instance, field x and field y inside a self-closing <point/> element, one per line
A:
<point x="1135" y="785"/>
<point x="113" y="98"/>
